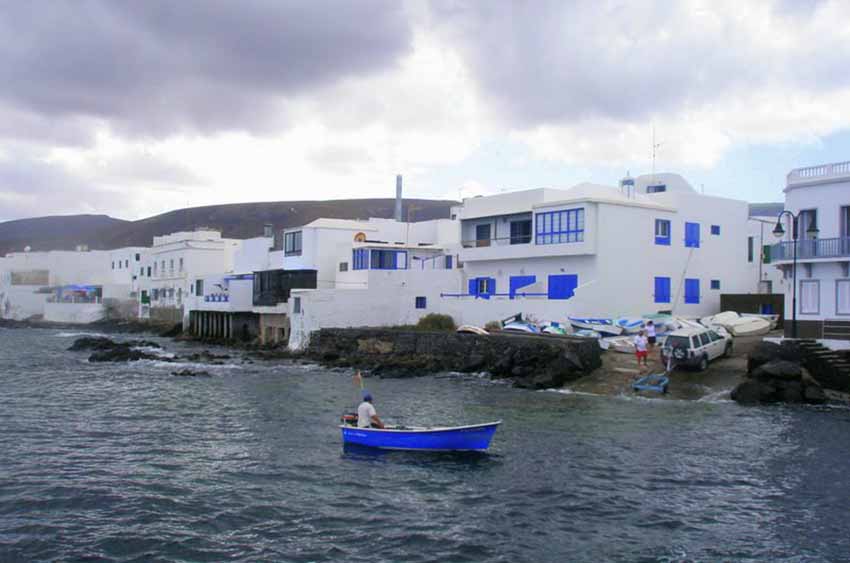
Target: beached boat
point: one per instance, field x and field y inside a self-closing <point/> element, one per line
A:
<point x="772" y="319"/>
<point x="630" y="325"/>
<point x="622" y="344"/>
<point x="521" y="326"/>
<point x="657" y="382"/>
<point x="554" y="328"/>
<point x="473" y="438"/>
<point x="739" y="325"/>
<point x="606" y="327"/>
<point x="470" y="329"/>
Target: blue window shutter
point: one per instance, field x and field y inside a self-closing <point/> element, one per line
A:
<point x="473" y="287"/>
<point x="562" y="286"/>
<point x="691" y="290"/>
<point x="692" y="235"/>
<point x="715" y="229"/>
<point x="517" y="282"/>
<point x="662" y="290"/>
<point x="491" y="287"/>
<point x="448" y="262"/>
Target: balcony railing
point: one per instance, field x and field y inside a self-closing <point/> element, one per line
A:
<point x="820" y="172"/>
<point x="503" y="241"/>
<point x="811" y="248"/>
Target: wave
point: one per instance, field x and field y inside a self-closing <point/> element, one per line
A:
<point x="79" y="334"/>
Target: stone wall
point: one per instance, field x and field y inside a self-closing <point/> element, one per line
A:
<point x="531" y="361"/>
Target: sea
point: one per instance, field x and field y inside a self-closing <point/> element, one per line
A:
<point x="127" y="462"/>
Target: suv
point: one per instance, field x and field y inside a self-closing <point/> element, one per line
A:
<point x="695" y="347"/>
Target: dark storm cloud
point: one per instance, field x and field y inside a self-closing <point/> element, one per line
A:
<point x="156" y="67"/>
<point x="549" y="61"/>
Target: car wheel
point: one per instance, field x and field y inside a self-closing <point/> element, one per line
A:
<point x="703" y="364"/>
<point x="728" y="350"/>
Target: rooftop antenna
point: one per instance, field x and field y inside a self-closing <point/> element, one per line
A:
<point x="654" y="149"/>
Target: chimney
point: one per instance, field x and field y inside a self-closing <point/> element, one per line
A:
<point x="398" y="197"/>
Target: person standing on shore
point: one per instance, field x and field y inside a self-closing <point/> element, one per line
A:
<point x="640" y="350"/>
<point x="651" y="335"/>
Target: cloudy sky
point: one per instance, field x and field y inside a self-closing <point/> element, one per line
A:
<point x="134" y="108"/>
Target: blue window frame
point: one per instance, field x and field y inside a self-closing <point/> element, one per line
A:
<point x="692" y="235"/>
<point x="691" y="290"/>
<point x="715" y="229"/>
<point x="421" y="302"/>
<point x="562" y="286"/>
<point x="662" y="290"/>
<point x="482" y="287"/>
<point x="360" y="260"/>
<point x="556" y="227"/>
<point x="715" y="284"/>
<point x="448" y="262"/>
<point x="662" y="232"/>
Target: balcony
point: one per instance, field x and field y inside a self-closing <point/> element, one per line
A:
<point x="504" y="241"/>
<point x="811" y="249"/>
<point x="818" y="174"/>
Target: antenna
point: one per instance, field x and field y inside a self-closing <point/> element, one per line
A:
<point x="654" y="148"/>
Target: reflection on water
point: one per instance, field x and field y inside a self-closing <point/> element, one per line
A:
<point x="126" y="462"/>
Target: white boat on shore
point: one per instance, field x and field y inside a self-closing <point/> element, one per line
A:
<point x="739" y="325"/>
<point x="605" y="327"/>
<point x="470" y="329"/>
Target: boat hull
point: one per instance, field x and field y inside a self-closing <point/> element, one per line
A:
<point x="475" y="438"/>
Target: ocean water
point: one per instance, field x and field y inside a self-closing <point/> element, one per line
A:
<point x="125" y="462"/>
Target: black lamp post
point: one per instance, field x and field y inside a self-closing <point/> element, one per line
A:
<point x="812" y="231"/>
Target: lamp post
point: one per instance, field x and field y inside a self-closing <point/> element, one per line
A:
<point x="779" y="231"/>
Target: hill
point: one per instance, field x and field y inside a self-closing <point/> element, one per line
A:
<point x="241" y="220"/>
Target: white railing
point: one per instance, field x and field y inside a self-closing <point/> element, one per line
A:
<point x="821" y="171"/>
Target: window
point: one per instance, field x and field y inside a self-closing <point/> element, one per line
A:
<point x="704" y="339"/>
<point x="199" y="287"/>
<point x="715" y="229"/>
<point x="750" y="248"/>
<point x="809" y="297"/>
<point x="126" y="263"/>
<point x="142" y="271"/>
<point x="521" y="232"/>
<point x="119" y="264"/>
<point x="662" y="290"/>
<point x="691" y="291"/>
<point x="692" y="235"/>
<point x="360" y="259"/>
<point x="562" y="286"/>
<point x="155" y="294"/>
<point x="171" y="265"/>
<point x="388" y="260"/>
<point x="154" y="268"/>
<point x="715" y="284"/>
<point x="662" y="231"/>
<point x="149" y="271"/>
<point x="448" y="262"/>
<point x="657" y="188"/>
<point x="181" y="264"/>
<point x="486" y="286"/>
<point x="482" y="235"/>
<point x="842" y="297"/>
<point x="292" y="244"/>
<point x="296" y="306"/>
<point x="765" y="254"/>
<point x="714" y="336"/>
<point x="808" y="217"/>
<point x="420" y="302"/>
<point x="555" y="227"/>
<point x="138" y="257"/>
<point x="162" y="267"/>
<point x="113" y="264"/>
<point x="845" y="222"/>
<point x="343" y="266"/>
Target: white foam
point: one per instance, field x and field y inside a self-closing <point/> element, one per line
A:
<point x="77" y="334"/>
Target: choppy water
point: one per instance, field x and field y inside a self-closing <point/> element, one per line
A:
<point x="103" y="462"/>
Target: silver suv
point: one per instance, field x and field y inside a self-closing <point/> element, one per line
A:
<point x="695" y="347"/>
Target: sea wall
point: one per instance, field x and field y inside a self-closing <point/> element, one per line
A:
<point x="530" y="361"/>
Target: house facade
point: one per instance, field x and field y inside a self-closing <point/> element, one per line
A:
<point x="818" y="196"/>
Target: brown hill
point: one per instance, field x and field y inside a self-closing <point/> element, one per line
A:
<point x="241" y="220"/>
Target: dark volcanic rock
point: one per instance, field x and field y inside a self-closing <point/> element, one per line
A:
<point x="190" y="373"/>
<point x="778" y="369"/>
<point x="777" y="374"/>
<point x="124" y="354"/>
<point x="534" y="362"/>
<point x="765" y="352"/>
<point x="101" y="343"/>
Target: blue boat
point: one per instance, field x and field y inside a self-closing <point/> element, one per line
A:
<point x="653" y="382"/>
<point x="474" y="438"/>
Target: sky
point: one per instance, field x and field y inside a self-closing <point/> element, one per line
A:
<point x="134" y="108"/>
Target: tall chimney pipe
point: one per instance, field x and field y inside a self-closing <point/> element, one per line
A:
<point x="398" y="197"/>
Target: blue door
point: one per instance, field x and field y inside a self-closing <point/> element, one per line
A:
<point x="662" y="290"/>
<point x="692" y="235"/>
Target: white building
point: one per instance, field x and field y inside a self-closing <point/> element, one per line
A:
<point x="173" y="263"/>
<point x="652" y="244"/>
<point x="819" y="196"/>
<point x="765" y="276"/>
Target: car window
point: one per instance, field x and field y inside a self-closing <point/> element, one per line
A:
<point x="704" y="339"/>
<point x="714" y="336"/>
<point x="677" y="342"/>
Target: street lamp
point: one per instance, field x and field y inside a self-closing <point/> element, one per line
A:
<point x="812" y="231"/>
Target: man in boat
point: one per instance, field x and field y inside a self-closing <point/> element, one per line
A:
<point x="367" y="416"/>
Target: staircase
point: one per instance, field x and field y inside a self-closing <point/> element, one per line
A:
<point x="836" y="330"/>
<point x="829" y="367"/>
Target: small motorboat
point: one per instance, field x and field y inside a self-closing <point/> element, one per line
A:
<point x="472" y="438"/>
<point x="657" y="382"/>
<point x="629" y="325"/>
<point x="554" y="328"/>
<point x="606" y="327"/>
<point x="471" y="329"/>
<point x="521" y="326"/>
